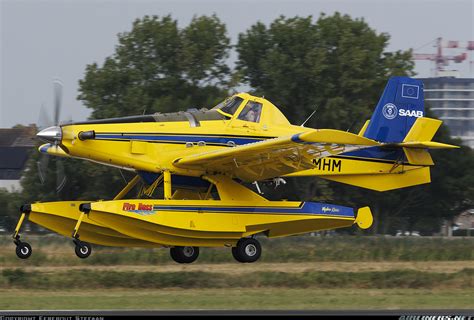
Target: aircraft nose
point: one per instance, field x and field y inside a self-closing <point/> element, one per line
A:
<point x="51" y="134"/>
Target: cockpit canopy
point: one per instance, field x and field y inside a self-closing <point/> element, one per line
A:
<point x="246" y="107"/>
<point x="239" y="107"/>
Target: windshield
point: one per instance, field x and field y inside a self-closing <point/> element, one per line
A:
<point x="229" y="105"/>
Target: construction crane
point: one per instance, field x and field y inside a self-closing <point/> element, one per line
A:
<point x="441" y="60"/>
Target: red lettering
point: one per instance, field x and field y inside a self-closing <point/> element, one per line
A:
<point x="145" y="207"/>
<point x="128" y="206"/>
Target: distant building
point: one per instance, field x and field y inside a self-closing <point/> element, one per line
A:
<point x="465" y="222"/>
<point x="461" y="225"/>
<point x="15" y="147"/>
<point x="452" y="100"/>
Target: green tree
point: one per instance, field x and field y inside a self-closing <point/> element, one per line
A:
<point x="158" y="67"/>
<point x="337" y="64"/>
<point x="9" y="202"/>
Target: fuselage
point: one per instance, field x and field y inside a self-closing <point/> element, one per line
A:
<point x="157" y="143"/>
<point x="151" y="143"/>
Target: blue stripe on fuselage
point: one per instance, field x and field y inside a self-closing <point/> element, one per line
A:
<point x="377" y="153"/>
<point x="181" y="139"/>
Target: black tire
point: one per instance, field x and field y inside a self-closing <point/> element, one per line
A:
<point x="235" y="254"/>
<point x="23" y="250"/>
<point x="83" y="250"/>
<point x="184" y="254"/>
<point x="247" y="250"/>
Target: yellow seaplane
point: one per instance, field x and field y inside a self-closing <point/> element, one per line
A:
<point x="203" y="160"/>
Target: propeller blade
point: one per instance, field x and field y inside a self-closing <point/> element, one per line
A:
<point x="40" y="172"/>
<point x="60" y="176"/>
<point x="58" y="94"/>
<point x="68" y="121"/>
<point x="42" y="165"/>
<point x="44" y="120"/>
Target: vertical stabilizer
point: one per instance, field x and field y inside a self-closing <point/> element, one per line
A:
<point x="402" y="102"/>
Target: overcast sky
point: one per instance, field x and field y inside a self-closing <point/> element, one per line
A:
<point x="44" y="40"/>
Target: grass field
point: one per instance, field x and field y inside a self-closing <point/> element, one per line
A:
<point x="57" y="251"/>
<point x="236" y="299"/>
<point x="235" y="268"/>
<point x="295" y="273"/>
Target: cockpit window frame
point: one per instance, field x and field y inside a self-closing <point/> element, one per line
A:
<point x="229" y="102"/>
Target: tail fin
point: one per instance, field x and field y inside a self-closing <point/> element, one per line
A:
<point x="402" y="102"/>
<point x="402" y="159"/>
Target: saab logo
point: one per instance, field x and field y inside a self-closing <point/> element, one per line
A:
<point x="389" y="111"/>
<point x="327" y="164"/>
<point x="328" y="209"/>
<point x="410" y="113"/>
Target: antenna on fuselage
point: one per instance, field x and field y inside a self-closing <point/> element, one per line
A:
<point x="350" y="127"/>
<point x="302" y="125"/>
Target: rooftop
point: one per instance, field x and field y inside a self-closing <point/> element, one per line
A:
<point x="15" y="144"/>
<point x="18" y="137"/>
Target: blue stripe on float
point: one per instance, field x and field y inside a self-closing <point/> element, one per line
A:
<point x="310" y="208"/>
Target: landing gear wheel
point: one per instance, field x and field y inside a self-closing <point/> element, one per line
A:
<point x="23" y="250"/>
<point x="236" y="255"/>
<point x="184" y="254"/>
<point x="247" y="250"/>
<point x="83" y="249"/>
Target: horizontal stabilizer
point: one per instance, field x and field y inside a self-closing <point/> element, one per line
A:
<point x="421" y="134"/>
<point x="418" y="140"/>
<point x="426" y="145"/>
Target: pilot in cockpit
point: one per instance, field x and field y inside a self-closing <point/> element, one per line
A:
<point x="251" y="112"/>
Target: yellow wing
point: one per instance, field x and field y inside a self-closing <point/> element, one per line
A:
<point x="275" y="157"/>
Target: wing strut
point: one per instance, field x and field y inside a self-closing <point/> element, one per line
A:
<point x="127" y="188"/>
<point x="167" y="184"/>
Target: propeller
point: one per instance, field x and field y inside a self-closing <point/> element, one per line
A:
<point x="50" y="132"/>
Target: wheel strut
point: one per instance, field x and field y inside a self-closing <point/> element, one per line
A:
<point x="23" y="249"/>
<point x="82" y="249"/>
